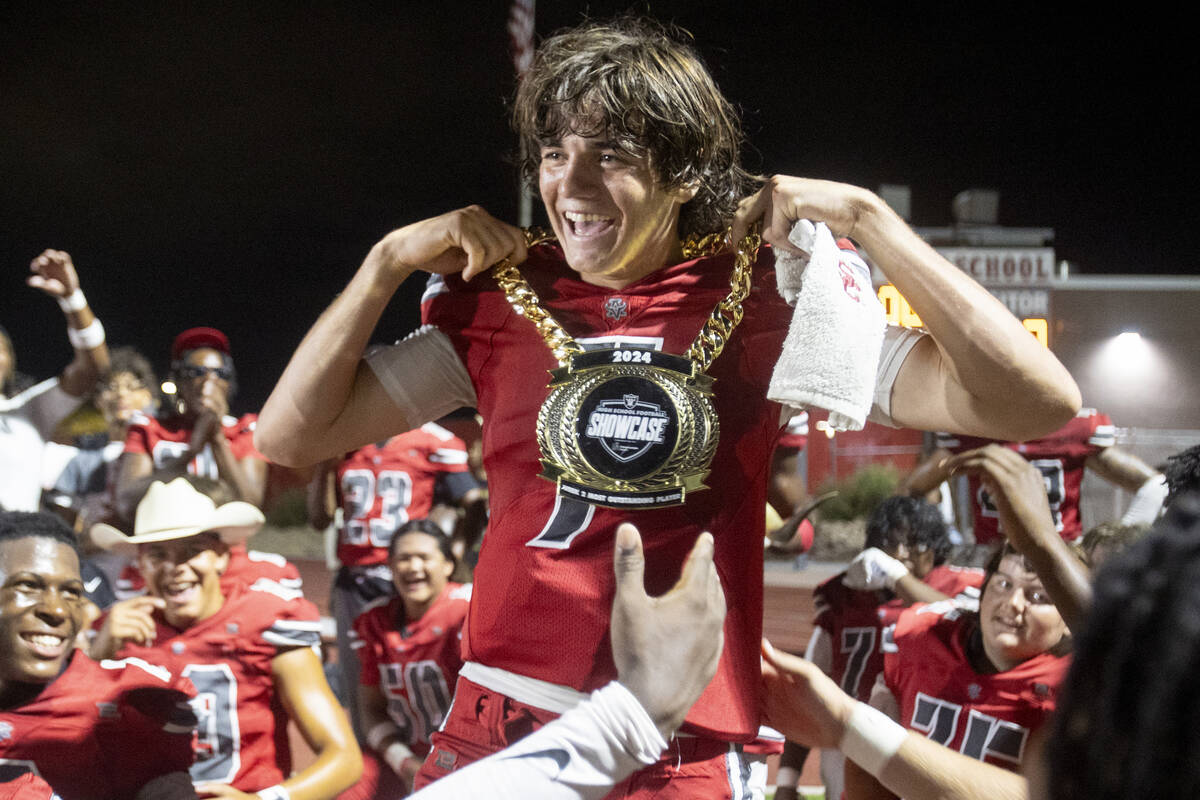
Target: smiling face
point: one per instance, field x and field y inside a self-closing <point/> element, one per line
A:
<point x="41" y="609"/>
<point x="420" y="571"/>
<point x="186" y="573"/>
<point x="1016" y="616"/>
<point x="204" y="380"/>
<point x="614" y="221"/>
<point x="120" y="396"/>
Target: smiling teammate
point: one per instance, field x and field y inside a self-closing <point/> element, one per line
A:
<point x="250" y="652"/>
<point x="635" y="153"/>
<point x="410" y="650"/>
<point x="112" y="730"/>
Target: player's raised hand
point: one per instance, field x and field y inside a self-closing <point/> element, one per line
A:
<point x="666" y="648"/>
<point x="1018" y="491"/>
<point x="53" y="273"/>
<point x="468" y="240"/>
<point x="802" y="702"/>
<point x="782" y="200"/>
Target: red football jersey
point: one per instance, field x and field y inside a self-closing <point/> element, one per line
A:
<point x="165" y="439"/>
<point x="858" y="623"/>
<point x="854" y="622"/>
<point x="242" y="732"/>
<point x="382" y="486"/>
<point x="101" y="730"/>
<point x="246" y="567"/>
<point x="414" y="666"/>
<point x="1060" y="456"/>
<point x="988" y="717"/>
<point x="544" y="581"/>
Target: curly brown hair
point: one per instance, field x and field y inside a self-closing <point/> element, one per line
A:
<point x="640" y="85"/>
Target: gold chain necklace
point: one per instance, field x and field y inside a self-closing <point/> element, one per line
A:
<point x="627" y="426"/>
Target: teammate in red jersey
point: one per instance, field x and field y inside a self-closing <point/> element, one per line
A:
<point x="246" y="567"/>
<point x="853" y="620"/>
<point x="410" y="649"/>
<point x="979" y="684"/>
<point x="633" y="148"/>
<point x="250" y="652"/>
<point x="380" y="487"/>
<point x="1086" y="442"/>
<point x="200" y="438"/>
<point x="113" y="730"/>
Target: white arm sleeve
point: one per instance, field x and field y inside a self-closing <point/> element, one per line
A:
<point x="578" y="756"/>
<point x="423" y="375"/>
<point x="897" y="344"/>
<point x="1147" y="502"/>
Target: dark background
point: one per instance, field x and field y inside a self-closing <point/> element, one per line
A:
<point x="230" y="165"/>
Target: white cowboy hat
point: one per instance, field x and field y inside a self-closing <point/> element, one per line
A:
<point x="176" y="510"/>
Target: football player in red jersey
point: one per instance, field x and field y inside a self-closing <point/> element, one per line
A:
<point x="250" y="652"/>
<point x="634" y="150"/>
<point x="410" y="649"/>
<point x="246" y="567"/>
<point x="977" y="683"/>
<point x="853" y="618"/>
<point x="114" y="730"/>
<point x="201" y="437"/>
<point x="380" y="487"/>
<point x="1086" y="442"/>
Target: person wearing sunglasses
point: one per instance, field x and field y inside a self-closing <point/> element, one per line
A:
<point x="197" y="436"/>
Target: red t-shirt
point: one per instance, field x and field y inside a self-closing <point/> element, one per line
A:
<point x="165" y="439"/>
<point x="101" y="730"/>
<point x="988" y="717"/>
<point x="1060" y="456"/>
<point x="242" y="727"/>
<point x="415" y="666"/>
<point x="544" y="581"/>
<point x="382" y="486"/>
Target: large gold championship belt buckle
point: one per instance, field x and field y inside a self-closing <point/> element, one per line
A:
<point x="626" y="426"/>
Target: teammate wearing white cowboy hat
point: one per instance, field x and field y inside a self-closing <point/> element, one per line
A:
<point x="250" y="652"/>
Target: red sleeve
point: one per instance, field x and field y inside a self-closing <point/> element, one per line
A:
<point x="449" y="456"/>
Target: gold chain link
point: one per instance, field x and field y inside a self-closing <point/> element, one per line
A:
<point x="708" y="343"/>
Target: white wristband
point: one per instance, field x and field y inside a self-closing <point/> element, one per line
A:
<point x="871" y="738"/>
<point x="276" y="792"/>
<point x="395" y="755"/>
<point x="75" y="301"/>
<point x="87" y="338"/>
<point x="380" y="732"/>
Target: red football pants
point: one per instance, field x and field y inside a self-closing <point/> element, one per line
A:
<point x="482" y="722"/>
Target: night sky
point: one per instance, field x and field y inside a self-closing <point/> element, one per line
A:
<point x="230" y="164"/>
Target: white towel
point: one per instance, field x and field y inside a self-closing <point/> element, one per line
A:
<point x="831" y="352"/>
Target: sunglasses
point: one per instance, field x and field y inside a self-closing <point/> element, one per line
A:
<point x="193" y="371"/>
